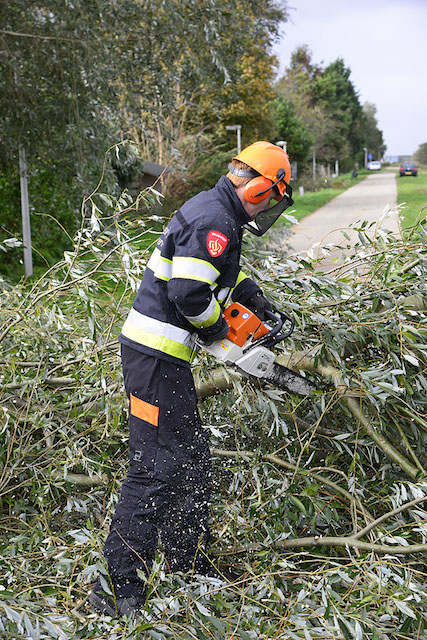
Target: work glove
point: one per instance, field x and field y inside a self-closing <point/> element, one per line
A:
<point x="258" y="304"/>
<point x="206" y="337"/>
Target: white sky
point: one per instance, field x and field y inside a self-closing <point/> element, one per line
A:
<point x="384" y="43"/>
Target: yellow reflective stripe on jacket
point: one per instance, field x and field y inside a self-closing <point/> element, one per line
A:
<point x="159" y="335"/>
<point x="161" y="266"/>
<point x="209" y="316"/>
<point x="242" y="276"/>
<point x="194" y="269"/>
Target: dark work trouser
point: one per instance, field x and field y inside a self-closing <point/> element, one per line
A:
<point x="167" y="488"/>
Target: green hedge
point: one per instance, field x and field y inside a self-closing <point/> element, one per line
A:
<point x="54" y="208"/>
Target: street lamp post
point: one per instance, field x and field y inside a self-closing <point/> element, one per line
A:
<point x="366" y="156"/>
<point x="238" y="129"/>
<point x="282" y="143"/>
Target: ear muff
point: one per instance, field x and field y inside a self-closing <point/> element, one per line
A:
<point x="258" y="185"/>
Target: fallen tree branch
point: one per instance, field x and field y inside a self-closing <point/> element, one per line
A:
<point x="292" y="467"/>
<point x="59" y="288"/>
<point x="305" y="362"/>
<point x="408" y="447"/>
<point x="387" y="516"/>
<point x="50" y="382"/>
<point x="320" y="541"/>
<point x="80" y="479"/>
<point x="380" y="440"/>
<point x="10" y="326"/>
<point x="219" y="380"/>
<point x="407" y="412"/>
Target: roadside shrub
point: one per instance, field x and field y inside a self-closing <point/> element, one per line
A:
<point x="54" y="214"/>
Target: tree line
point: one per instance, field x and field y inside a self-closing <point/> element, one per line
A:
<point x="77" y="77"/>
<point x="319" y="110"/>
<point x="421" y="154"/>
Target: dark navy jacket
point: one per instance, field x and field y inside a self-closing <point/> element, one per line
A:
<point x="193" y="273"/>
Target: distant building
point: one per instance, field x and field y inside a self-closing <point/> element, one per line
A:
<point x="149" y="176"/>
<point x="397" y="159"/>
<point x="391" y="159"/>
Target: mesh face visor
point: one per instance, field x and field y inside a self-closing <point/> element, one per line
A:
<point x="265" y="219"/>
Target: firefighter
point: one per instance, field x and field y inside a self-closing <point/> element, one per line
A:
<point x="192" y="274"/>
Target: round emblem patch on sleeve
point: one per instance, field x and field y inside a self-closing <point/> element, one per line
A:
<point x="216" y="243"/>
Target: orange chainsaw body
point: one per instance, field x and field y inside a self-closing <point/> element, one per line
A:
<point x="243" y="324"/>
<point x="248" y="347"/>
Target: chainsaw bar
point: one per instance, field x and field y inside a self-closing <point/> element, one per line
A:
<point x="288" y="380"/>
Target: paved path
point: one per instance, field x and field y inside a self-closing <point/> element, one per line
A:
<point x="364" y="201"/>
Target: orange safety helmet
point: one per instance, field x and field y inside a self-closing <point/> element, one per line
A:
<point x="271" y="169"/>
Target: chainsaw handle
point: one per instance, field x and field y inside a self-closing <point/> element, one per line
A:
<point x="274" y="335"/>
<point x="275" y="332"/>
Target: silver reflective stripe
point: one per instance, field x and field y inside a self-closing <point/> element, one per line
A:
<point x="194" y="269"/>
<point x="207" y="313"/>
<point x="161" y="266"/>
<point x="159" y="328"/>
<point x="223" y="293"/>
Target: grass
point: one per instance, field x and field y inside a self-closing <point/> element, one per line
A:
<point x="413" y="192"/>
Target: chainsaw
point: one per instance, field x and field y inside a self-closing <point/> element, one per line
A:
<point x="248" y="343"/>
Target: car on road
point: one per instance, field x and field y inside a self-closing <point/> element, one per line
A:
<point x="408" y="169"/>
<point x="374" y="165"/>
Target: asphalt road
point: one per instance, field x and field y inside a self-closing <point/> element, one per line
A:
<point x="364" y="201"/>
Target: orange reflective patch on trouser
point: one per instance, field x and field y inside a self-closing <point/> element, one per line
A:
<point x="144" y="411"/>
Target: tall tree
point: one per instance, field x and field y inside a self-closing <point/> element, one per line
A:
<point x="209" y="65"/>
<point x="421" y="154"/>
<point x="296" y="87"/>
<point x="72" y="71"/>
<point x="292" y="129"/>
<point x="334" y="90"/>
<point x="58" y="80"/>
<point x="328" y="104"/>
<point x="373" y="136"/>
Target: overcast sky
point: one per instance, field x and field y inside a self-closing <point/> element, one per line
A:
<point x="384" y="43"/>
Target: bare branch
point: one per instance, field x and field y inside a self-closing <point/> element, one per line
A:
<point x="387" y="516"/>
<point x="291" y="467"/>
<point x="320" y="541"/>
